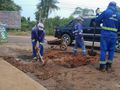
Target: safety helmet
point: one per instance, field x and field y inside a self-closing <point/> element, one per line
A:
<point x="112" y="4"/>
<point x="40" y="26"/>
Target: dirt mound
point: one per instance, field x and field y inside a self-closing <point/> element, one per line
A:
<point x="68" y="60"/>
<point x="34" y="68"/>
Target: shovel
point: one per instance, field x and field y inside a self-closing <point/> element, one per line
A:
<point x="39" y="56"/>
<point x="92" y="52"/>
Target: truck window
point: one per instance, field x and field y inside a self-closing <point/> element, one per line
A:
<point x="92" y="23"/>
<point x="86" y="22"/>
<point x="71" y="24"/>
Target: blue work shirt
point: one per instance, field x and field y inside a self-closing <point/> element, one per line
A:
<point x="37" y="35"/>
<point x="111" y="20"/>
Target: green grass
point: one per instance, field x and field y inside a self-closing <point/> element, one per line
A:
<point x="24" y="33"/>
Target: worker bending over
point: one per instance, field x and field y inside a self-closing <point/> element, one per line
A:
<point x="38" y="35"/>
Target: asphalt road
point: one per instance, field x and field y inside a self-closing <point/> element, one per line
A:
<point x="27" y="40"/>
<point x="19" y="39"/>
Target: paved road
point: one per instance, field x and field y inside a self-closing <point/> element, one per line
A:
<point x="19" y="39"/>
<point x="27" y="40"/>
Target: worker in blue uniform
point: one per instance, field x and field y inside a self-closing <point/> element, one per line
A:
<point x="38" y="35"/>
<point x="79" y="40"/>
<point x="110" y="19"/>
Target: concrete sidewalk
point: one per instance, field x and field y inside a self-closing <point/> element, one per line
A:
<point x="13" y="79"/>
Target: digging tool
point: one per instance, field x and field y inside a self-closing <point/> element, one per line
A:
<point x="92" y="52"/>
<point x="39" y="55"/>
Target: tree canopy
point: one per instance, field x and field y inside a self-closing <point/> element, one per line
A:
<point x="83" y="12"/>
<point x="45" y="7"/>
<point x="9" y="5"/>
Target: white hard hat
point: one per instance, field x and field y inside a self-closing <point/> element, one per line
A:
<point x="40" y="26"/>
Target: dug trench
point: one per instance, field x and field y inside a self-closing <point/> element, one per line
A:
<point x="63" y="71"/>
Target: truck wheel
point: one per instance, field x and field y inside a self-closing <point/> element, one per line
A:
<point x="118" y="46"/>
<point x="66" y="38"/>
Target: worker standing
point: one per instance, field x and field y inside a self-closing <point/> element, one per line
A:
<point x="110" y="19"/>
<point x="79" y="40"/>
<point x="38" y="35"/>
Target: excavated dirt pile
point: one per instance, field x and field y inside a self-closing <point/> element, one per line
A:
<point x="57" y="57"/>
<point x="68" y="60"/>
<point x="35" y="68"/>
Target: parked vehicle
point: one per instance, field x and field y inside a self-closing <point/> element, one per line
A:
<point x="65" y="32"/>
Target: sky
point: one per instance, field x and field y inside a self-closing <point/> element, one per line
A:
<point x="67" y="7"/>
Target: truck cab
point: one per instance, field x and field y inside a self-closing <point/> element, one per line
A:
<point x="66" y="32"/>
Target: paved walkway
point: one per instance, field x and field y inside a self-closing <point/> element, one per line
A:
<point x="13" y="79"/>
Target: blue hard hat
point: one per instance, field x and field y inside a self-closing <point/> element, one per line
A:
<point x="112" y="4"/>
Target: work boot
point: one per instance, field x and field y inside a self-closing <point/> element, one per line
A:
<point x="102" y="67"/>
<point x="84" y="53"/>
<point x="34" y="59"/>
<point x="109" y="67"/>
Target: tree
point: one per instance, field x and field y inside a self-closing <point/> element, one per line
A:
<point x="26" y="24"/>
<point x="9" y="5"/>
<point x="52" y="23"/>
<point x="45" y="7"/>
<point x="78" y="11"/>
<point x="88" y="12"/>
<point x="83" y="12"/>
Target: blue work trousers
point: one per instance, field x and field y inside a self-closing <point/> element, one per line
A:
<point x="107" y="44"/>
<point x="79" y="43"/>
<point x="34" y="43"/>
